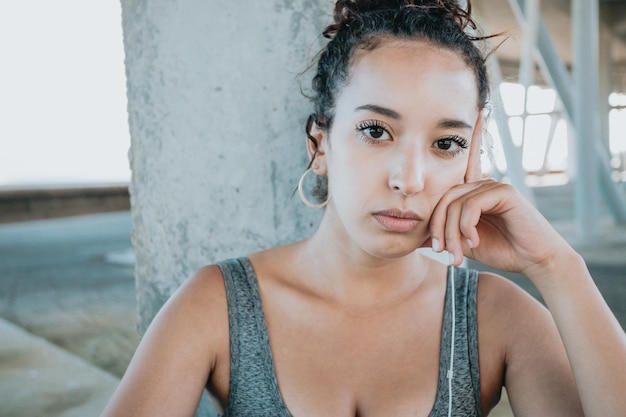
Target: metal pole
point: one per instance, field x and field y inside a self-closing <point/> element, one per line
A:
<point x="526" y="76"/>
<point x="513" y="154"/>
<point x="556" y="73"/>
<point x="606" y="69"/>
<point x="547" y="57"/>
<point x="527" y="62"/>
<point x="585" y="26"/>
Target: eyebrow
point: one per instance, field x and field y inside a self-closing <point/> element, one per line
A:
<point x="453" y="124"/>
<point x="380" y="110"/>
<point x="443" y="124"/>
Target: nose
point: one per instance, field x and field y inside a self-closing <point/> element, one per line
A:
<point x="407" y="173"/>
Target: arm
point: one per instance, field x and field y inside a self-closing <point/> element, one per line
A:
<point x="536" y="372"/>
<point x="593" y="338"/>
<point x="492" y="223"/>
<point x="178" y="353"/>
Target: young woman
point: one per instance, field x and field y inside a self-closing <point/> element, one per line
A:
<point x="353" y="321"/>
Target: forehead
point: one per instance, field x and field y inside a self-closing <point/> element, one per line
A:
<point x="401" y="71"/>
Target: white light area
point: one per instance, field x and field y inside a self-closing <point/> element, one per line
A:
<point x="531" y="135"/>
<point x="535" y="142"/>
<point x="540" y="100"/>
<point x="558" y="153"/>
<point x="617" y="99"/>
<point x="62" y="99"/>
<point x="617" y="129"/>
<point x="512" y="98"/>
<point x="516" y="125"/>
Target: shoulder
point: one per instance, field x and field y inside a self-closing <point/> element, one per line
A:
<point x="186" y="343"/>
<point x="504" y="299"/>
<point x="501" y="309"/>
<point x="197" y="311"/>
<point x="202" y="293"/>
<point x="505" y="309"/>
<point x="531" y="360"/>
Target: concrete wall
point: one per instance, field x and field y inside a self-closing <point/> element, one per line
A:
<point x="216" y="121"/>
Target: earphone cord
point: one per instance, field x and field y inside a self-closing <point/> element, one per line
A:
<point x="451" y="369"/>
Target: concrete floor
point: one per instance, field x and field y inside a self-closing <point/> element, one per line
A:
<point x="70" y="281"/>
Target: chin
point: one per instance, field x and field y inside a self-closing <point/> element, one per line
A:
<point x="393" y="251"/>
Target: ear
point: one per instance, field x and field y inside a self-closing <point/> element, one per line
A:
<point x="316" y="145"/>
<point x="474" y="171"/>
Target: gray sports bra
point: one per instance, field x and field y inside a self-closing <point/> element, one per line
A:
<point x="253" y="386"/>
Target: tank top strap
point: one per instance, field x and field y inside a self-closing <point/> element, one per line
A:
<point x="459" y="372"/>
<point x="253" y="389"/>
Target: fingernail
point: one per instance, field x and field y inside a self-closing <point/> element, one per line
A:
<point x="451" y="258"/>
<point x="470" y="243"/>
<point x="436" y="245"/>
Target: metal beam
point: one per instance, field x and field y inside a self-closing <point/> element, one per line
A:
<point x="512" y="153"/>
<point x="526" y="75"/>
<point x="586" y="115"/>
<point x="616" y="200"/>
<point x="556" y="73"/>
<point x="547" y="57"/>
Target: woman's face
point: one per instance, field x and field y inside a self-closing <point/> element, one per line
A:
<point x="400" y="139"/>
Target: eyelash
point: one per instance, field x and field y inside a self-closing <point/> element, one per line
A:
<point x="459" y="141"/>
<point x="368" y="124"/>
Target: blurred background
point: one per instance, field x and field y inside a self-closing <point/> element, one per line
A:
<point x="63" y="95"/>
<point x="68" y="283"/>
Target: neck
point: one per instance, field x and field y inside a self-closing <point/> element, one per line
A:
<point x="345" y="272"/>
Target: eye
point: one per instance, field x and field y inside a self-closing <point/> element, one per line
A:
<point x="452" y="144"/>
<point x="372" y="131"/>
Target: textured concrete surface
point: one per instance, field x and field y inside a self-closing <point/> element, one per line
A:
<point x="216" y="121"/>
<point x="38" y="379"/>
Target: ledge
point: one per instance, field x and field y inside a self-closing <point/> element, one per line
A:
<point x="34" y="203"/>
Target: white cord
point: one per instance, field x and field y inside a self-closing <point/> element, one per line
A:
<point x="451" y="369"/>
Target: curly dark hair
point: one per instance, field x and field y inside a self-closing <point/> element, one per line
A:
<point x="364" y="24"/>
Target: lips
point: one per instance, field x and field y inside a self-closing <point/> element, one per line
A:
<point x="396" y="220"/>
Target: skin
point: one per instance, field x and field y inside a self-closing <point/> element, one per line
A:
<point x="354" y="312"/>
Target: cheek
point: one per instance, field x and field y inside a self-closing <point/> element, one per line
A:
<point x="351" y="177"/>
<point x="443" y="176"/>
<point x="347" y="165"/>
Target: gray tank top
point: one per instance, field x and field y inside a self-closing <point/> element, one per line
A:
<point x="253" y="386"/>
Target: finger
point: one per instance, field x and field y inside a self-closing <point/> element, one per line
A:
<point x="455" y="220"/>
<point x="473" y="206"/>
<point x="437" y="223"/>
<point x="457" y="223"/>
<point x="452" y="234"/>
<point x="468" y="222"/>
<point x="438" y="218"/>
<point x="474" y="170"/>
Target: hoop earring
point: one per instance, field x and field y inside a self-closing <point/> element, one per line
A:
<point x="302" y="196"/>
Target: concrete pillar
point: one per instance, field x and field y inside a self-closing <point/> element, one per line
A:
<point x="217" y="142"/>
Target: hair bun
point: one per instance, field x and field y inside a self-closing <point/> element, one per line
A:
<point x="347" y="10"/>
